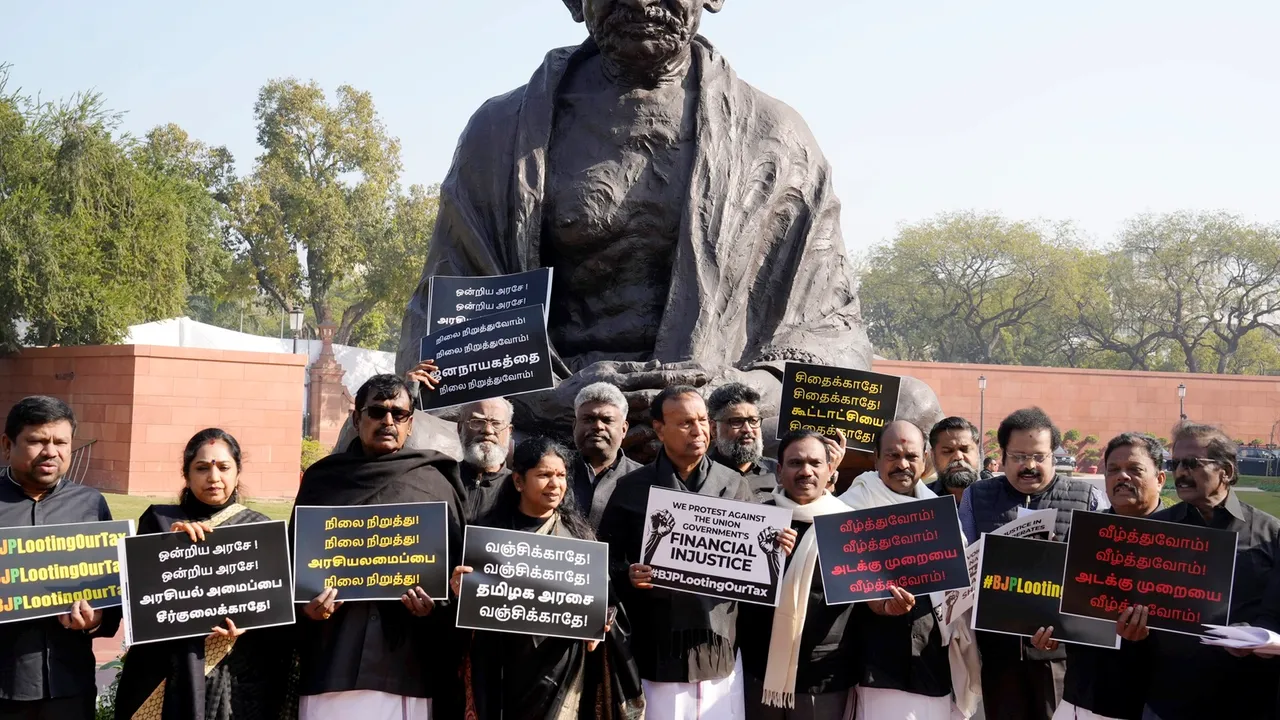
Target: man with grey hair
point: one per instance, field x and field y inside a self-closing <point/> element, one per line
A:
<point x="599" y="425"/>
<point x="484" y="428"/>
<point x="737" y="439"/>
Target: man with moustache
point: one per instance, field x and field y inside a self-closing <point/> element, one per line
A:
<point x="1020" y="682"/>
<point x="954" y="444"/>
<point x="46" y="664"/>
<point x="484" y="428"/>
<point x="988" y="468"/>
<point x="1104" y="684"/>
<point x="599" y="425"/>
<point x="685" y="645"/>
<point x="737" y="439"/>
<point x="1188" y="679"/>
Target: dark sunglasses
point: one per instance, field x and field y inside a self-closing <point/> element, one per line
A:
<point x="378" y="413"/>
<point x="1190" y="463"/>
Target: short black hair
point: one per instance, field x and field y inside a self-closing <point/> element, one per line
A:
<point x="37" y="410"/>
<point x="1147" y="443"/>
<point x="796" y="436"/>
<point x="381" y="387"/>
<point x="1218" y="446"/>
<point x="1027" y="420"/>
<point x="987" y="461"/>
<point x="955" y="422"/>
<point x="674" y="391"/>
<point x="880" y="436"/>
<point x="726" y="396"/>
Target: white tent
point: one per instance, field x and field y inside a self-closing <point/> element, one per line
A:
<point x="359" y="364"/>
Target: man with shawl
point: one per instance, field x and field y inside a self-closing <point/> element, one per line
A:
<point x="684" y="645"/>
<point x="689" y="217"/>
<point x="380" y="660"/>
<point x="801" y="658"/>
<point x="910" y="659"/>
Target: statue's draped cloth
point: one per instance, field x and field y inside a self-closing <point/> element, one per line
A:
<point x="760" y="274"/>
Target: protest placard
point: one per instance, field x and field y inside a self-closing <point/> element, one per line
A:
<point x="1182" y="573"/>
<point x="712" y="546"/>
<point x="452" y="300"/>
<point x="371" y="552"/>
<point x="1027" y="524"/>
<point x="834" y="400"/>
<point x="534" y="584"/>
<point x="1019" y="585"/>
<point x="174" y="588"/>
<point x="494" y="356"/>
<point x="45" y="569"/>
<point x="916" y="546"/>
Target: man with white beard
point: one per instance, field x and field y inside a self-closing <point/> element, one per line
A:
<point x="736" y="437"/>
<point x="484" y="428"/>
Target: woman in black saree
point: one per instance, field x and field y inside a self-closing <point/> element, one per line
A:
<point x="523" y="677"/>
<point x="229" y="673"/>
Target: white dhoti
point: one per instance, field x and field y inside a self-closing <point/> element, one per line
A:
<point x="1067" y="711"/>
<point x="363" y="704"/>
<point x="707" y="700"/>
<point x="883" y="704"/>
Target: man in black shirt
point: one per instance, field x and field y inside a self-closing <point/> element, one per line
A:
<point x="599" y="425"/>
<point x="953" y="444"/>
<point x="735" y="432"/>
<point x="484" y="428"/>
<point x="1190" y="680"/>
<point x="47" y="665"/>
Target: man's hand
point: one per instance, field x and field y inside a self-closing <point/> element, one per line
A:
<point x="418" y="602"/>
<point x="82" y="617"/>
<point x="1043" y="640"/>
<point x="901" y="603"/>
<point x="323" y="606"/>
<point x="836" y="449"/>
<point x="426" y="373"/>
<point x="1132" y="623"/>
<point x="787" y="541"/>
<point x="455" y="580"/>
<point x="230" y="630"/>
<point x="641" y="576"/>
<point x="194" y="530"/>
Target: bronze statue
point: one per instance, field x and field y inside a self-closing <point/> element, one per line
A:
<point x="689" y="217"/>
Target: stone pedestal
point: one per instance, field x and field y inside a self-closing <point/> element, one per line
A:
<point x="329" y="405"/>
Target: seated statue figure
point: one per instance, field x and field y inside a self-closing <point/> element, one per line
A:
<point x="689" y="218"/>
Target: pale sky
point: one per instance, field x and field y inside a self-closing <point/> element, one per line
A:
<point x="1092" y="111"/>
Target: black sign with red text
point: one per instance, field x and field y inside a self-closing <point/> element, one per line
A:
<point x="1182" y="573"/>
<point x="917" y="546"/>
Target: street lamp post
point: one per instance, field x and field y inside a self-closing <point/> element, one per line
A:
<point x="1182" y="397"/>
<point x="982" y="416"/>
<point x="295" y="324"/>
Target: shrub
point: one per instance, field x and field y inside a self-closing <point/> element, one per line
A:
<point x="312" y="451"/>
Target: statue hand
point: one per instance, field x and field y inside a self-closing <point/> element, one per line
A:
<point x="639" y="382"/>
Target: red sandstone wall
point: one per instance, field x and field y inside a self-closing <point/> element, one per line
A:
<point x="1103" y="402"/>
<point x="142" y="403"/>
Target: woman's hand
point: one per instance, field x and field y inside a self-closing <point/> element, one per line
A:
<point x="324" y="605"/>
<point x="194" y="530"/>
<point x="641" y="576"/>
<point x="901" y="603"/>
<point x="426" y="373"/>
<point x="455" y="582"/>
<point x="230" y="630"/>
<point x="418" y="602"/>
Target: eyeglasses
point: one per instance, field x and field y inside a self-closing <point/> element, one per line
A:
<point x="378" y="413"/>
<point x="1023" y="458"/>
<point x="482" y="424"/>
<point x="1191" y="463"/>
<point x="738" y="423"/>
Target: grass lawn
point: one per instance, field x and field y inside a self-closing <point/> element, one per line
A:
<point x="125" y="507"/>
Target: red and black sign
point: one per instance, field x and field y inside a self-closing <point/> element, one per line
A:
<point x="1182" y="573"/>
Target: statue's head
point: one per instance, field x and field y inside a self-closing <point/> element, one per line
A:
<point x="642" y="34"/>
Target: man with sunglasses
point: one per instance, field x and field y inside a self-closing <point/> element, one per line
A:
<point x="1188" y="679"/>
<point x="484" y="428"/>
<point x="383" y="658"/>
<point x="1018" y="681"/>
<point x="737" y="441"/>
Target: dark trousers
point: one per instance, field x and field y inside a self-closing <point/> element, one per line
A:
<point x="79" y="707"/>
<point x="1022" y="690"/>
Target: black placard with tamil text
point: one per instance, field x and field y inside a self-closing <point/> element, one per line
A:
<point x="917" y="546"/>
<point x="452" y="299"/>
<point x="831" y="399"/>
<point x="534" y="584"/>
<point x="371" y="552"/>
<point x="493" y="356"/>
<point x="45" y="569"/>
<point x="175" y="588"/>
<point x="1182" y="573"/>
<point x="1019" y="585"/>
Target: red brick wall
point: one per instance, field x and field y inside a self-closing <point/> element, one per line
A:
<point x="142" y="403"/>
<point x="1103" y="402"/>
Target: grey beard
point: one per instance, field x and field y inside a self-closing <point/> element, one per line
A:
<point x="483" y="454"/>
<point x="740" y="454"/>
<point x="958" y="478"/>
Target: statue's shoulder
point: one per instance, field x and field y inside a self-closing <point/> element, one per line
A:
<point x="499" y="114"/>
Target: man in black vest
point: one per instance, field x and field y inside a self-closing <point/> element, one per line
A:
<point x="1018" y="681"/>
